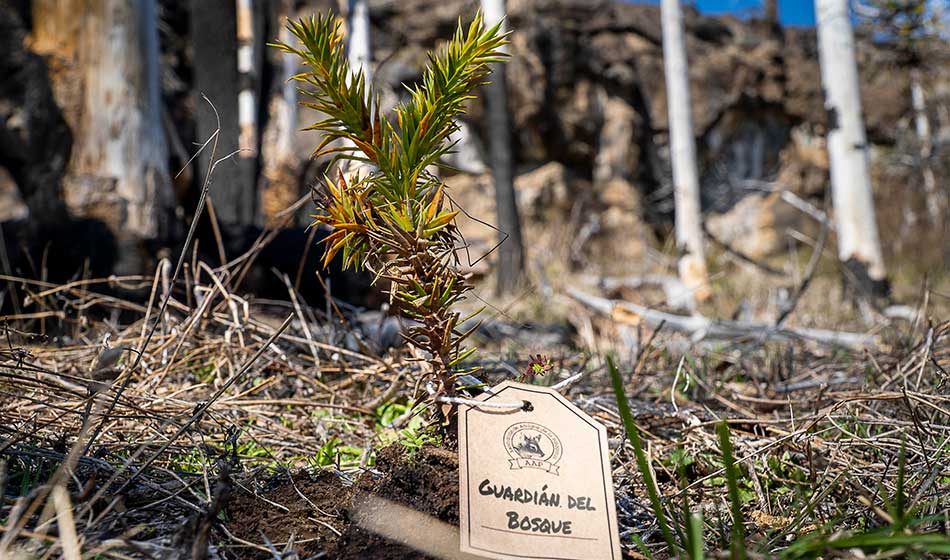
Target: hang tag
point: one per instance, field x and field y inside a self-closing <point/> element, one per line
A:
<point x="534" y="483"/>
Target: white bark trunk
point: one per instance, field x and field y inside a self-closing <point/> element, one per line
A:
<point x="689" y="232"/>
<point x="279" y="146"/>
<point x="359" y="50"/>
<point x="921" y="122"/>
<point x="360" y="57"/>
<point x="110" y="92"/>
<point x="922" y="126"/>
<point x="847" y="146"/>
<point x="287" y="113"/>
<point x="494" y="11"/>
<point x="467" y="154"/>
<point x="247" y="98"/>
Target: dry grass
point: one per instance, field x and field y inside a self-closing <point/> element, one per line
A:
<point x="213" y="407"/>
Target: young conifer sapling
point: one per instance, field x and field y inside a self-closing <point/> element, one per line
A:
<point x="390" y="216"/>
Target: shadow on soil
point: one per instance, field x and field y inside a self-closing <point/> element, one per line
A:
<point x="426" y="481"/>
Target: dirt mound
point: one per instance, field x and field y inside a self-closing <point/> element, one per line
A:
<point x="281" y="512"/>
<point x="316" y="509"/>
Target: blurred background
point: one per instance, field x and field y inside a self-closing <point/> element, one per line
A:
<point x="104" y="105"/>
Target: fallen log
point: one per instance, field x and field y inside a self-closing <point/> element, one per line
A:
<point x="678" y="295"/>
<point x="699" y="327"/>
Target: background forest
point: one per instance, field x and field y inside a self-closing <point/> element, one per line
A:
<point x="754" y="233"/>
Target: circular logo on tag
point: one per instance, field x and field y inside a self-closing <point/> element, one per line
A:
<point x="532" y="446"/>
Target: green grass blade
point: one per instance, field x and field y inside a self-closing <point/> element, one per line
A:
<point x="732" y="480"/>
<point x="641" y="546"/>
<point x="694" y="532"/>
<point x="694" y="529"/>
<point x="642" y="464"/>
<point x="880" y="542"/>
<point x="900" y="514"/>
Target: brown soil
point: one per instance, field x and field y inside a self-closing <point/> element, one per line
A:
<point x="426" y="481"/>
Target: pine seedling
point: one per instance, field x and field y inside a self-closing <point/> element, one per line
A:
<point x="390" y="217"/>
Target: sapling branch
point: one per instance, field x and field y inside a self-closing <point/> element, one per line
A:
<point x="390" y="217"/>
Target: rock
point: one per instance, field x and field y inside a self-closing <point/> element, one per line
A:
<point x="618" y="150"/>
<point x="542" y="190"/>
<point x="618" y="193"/>
<point x="757" y="225"/>
<point x="12" y="206"/>
<point x="745" y="145"/>
<point x="692" y="270"/>
<point x="804" y="163"/>
<point x="562" y="215"/>
<point x="623" y="237"/>
<point x="475" y="196"/>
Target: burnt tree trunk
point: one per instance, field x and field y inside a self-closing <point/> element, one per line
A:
<point x="359" y="54"/>
<point x="510" y="270"/>
<point x="358" y="45"/>
<point x="105" y="72"/>
<point x="35" y="140"/>
<point x="771" y="13"/>
<point x="214" y="38"/>
<point x="279" y="183"/>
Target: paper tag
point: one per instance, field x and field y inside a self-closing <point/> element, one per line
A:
<point x="536" y="483"/>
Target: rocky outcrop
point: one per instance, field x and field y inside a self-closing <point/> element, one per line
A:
<point x="587" y="92"/>
<point x="587" y="97"/>
<point x="759" y="225"/>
